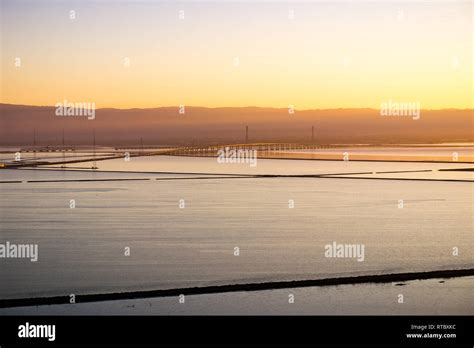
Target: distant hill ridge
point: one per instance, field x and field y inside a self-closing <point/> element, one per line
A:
<point x="165" y="125"/>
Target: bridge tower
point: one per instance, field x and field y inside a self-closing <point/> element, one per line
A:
<point x="63" y="153"/>
<point x="94" y="164"/>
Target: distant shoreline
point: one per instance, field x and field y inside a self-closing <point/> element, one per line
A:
<point x="380" y="278"/>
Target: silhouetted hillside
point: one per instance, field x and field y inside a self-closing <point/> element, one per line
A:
<point x="165" y="125"/>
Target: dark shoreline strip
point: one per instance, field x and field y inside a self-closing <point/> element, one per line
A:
<point x="128" y="171"/>
<point x="329" y="176"/>
<point x="37" y="164"/>
<point x="87" y="180"/>
<point x="405" y="171"/>
<point x="253" y="176"/>
<point x="381" y="278"/>
<point x="457" y="170"/>
<point x="206" y="178"/>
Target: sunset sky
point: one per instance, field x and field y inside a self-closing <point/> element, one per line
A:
<point x="331" y="55"/>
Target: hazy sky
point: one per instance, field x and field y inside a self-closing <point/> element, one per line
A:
<point x="332" y="54"/>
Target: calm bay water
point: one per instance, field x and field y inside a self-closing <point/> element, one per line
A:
<point x="81" y="250"/>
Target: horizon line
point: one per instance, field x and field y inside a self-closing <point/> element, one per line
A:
<point x="227" y="107"/>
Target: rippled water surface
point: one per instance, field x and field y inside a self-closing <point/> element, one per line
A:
<point x="81" y="250"/>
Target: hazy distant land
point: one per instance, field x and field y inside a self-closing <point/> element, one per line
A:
<point x="200" y="125"/>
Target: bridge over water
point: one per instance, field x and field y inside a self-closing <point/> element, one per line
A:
<point x="263" y="150"/>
